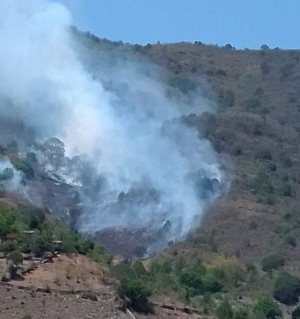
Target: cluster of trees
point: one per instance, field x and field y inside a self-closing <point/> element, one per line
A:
<point x="187" y="280"/>
<point x="31" y="230"/>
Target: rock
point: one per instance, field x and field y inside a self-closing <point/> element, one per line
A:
<point x="90" y="295"/>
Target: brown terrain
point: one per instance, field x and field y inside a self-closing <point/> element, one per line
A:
<point x="255" y="129"/>
<point x="72" y="287"/>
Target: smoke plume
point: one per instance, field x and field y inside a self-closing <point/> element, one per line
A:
<point x="148" y="170"/>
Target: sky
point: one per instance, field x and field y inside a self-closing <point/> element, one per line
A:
<point x="242" y="23"/>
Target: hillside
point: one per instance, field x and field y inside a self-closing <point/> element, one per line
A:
<point x="241" y="261"/>
<point x="254" y="127"/>
<point x="253" y="123"/>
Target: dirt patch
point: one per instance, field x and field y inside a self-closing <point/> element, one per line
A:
<point x="64" y="273"/>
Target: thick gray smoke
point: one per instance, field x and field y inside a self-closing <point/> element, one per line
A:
<point x="153" y="170"/>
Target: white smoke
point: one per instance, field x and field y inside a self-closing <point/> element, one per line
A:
<point x="49" y="89"/>
<point x="10" y="178"/>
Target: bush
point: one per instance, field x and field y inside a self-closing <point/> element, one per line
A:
<point x="296" y="313"/>
<point x="24" y="166"/>
<point x="228" y="270"/>
<point x="285" y="190"/>
<point x="241" y="313"/>
<point x="264" y="47"/>
<point x="252" y="225"/>
<point x="136" y="295"/>
<point x="8" y="246"/>
<point x="272" y="262"/>
<point x="221" y="72"/>
<point x="228" y="46"/>
<point x="290" y="240"/>
<point x="224" y="311"/>
<point x="7" y="219"/>
<point x="252" y="105"/>
<point x="39" y="244"/>
<point x="16" y="257"/>
<point x="7" y="174"/>
<point x="193" y="282"/>
<point x="259" y="91"/>
<point x="263" y="154"/>
<point x="34" y="217"/>
<point x="271" y="167"/>
<point x="183" y="84"/>
<point x="268" y="307"/>
<point x="27" y="316"/>
<point x="286" y="70"/>
<point x="265" y="68"/>
<point x="211" y="284"/>
<point x="261" y="184"/>
<point x="225" y="99"/>
<point x="286" y="289"/>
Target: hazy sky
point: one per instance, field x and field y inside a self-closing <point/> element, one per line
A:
<point x="242" y="23"/>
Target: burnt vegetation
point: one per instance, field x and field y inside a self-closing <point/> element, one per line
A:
<point x="246" y="248"/>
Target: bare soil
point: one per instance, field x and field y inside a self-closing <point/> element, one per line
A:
<point x="54" y="290"/>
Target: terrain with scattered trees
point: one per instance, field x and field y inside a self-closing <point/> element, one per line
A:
<point x="243" y="261"/>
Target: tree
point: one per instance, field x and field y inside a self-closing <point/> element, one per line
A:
<point x="136" y="295"/>
<point x="268" y="307"/>
<point x="296" y="313"/>
<point x="264" y="47"/>
<point x="271" y="262"/>
<point x="241" y="313"/>
<point x="224" y="311"/>
<point x="16" y="257"/>
<point x="286" y="289"/>
<point x="191" y="279"/>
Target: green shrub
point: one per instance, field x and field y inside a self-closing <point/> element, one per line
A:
<point x="8" y="246"/>
<point x="24" y="166"/>
<point x="271" y="167"/>
<point x="123" y="270"/>
<point x="271" y="262"/>
<point x="241" y="313"/>
<point x="34" y="217"/>
<point x="39" y="243"/>
<point x="286" y="289"/>
<point x="136" y="294"/>
<point x="285" y="190"/>
<point x="7" y="174"/>
<point x="250" y="267"/>
<point x="265" y="68"/>
<point x="193" y="282"/>
<point x="224" y="311"/>
<point x="7" y="219"/>
<point x="268" y="307"/>
<point x="225" y="99"/>
<point x="296" y="313"/>
<point x="290" y="240"/>
<point x="16" y="257"/>
<point x="211" y="284"/>
<point x="183" y="84"/>
<point x="261" y="184"/>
